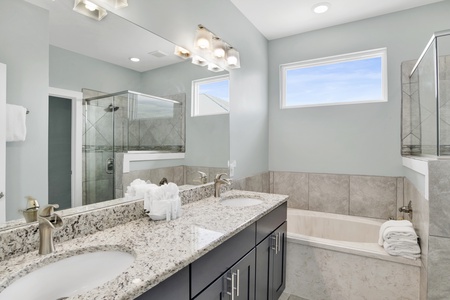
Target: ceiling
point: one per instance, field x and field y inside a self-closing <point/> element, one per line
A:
<point x="113" y="39"/>
<point x="280" y="18"/>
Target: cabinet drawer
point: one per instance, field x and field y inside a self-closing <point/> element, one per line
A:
<point x="270" y="222"/>
<point x="214" y="263"/>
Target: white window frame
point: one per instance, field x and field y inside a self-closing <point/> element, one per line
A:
<point x="380" y="52"/>
<point x="195" y="88"/>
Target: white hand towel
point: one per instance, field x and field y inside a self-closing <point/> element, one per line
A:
<point x="407" y="250"/>
<point x="16" y="129"/>
<point x="389" y="224"/>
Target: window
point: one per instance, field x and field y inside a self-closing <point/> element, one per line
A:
<point x="211" y="96"/>
<point x="345" y="79"/>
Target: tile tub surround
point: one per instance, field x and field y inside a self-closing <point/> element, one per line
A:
<point x="318" y="273"/>
<point x="363" y="196"/>
<point x="161" y="248"/>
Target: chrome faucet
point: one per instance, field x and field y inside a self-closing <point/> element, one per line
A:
<point x="407" y="209"/>
<point x="48" y="221"/>
<point x="203" y="177"/>
<point x="218" y="181"/>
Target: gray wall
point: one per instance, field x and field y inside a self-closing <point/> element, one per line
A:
<point x="24" y="50"/>
<point x="348" y="139"/>
<point x="249" y="111"/>
<point x="72" y="71"/>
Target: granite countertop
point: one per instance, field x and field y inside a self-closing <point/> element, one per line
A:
<point x="160" y="248"/>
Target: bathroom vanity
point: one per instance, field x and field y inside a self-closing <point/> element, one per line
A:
<point x="213" y="251"/>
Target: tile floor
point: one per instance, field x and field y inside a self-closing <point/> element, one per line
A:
<point x="285" y="296"/>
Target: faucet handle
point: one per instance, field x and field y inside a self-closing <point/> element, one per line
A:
<point x="219" y="176"/>
<point x="49" y="210"/>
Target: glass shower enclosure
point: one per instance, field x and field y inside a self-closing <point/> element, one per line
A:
<point x="123" y="122"/>
<point x="426" y="101"/>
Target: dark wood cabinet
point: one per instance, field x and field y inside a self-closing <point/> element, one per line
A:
<point x="236" y="284"/>
<point x="249" y="266"/>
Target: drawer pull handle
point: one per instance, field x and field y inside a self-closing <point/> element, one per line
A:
<point x="233" y="283"/>
<point x="275" y="247"/>
<point x="237" y="287"/>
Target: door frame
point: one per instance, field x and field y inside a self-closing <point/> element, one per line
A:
<point x="2" y="142"/>
<point x="77" y="134"/>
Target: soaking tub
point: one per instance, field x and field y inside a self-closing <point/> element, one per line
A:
<point x="331" y="256"/>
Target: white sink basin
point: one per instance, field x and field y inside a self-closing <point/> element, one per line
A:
<point x="68" y="277"/>
<point x="241" y="202"/>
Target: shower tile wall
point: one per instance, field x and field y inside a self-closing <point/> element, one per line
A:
<point x="419" y="116"/>
<point x="160" y="133"/>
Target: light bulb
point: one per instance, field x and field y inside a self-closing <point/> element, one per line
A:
<point x="232" y="60"/>
<point x="90" y="6"/>
<point x="203" y="43"/>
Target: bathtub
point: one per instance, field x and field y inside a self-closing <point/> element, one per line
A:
<point x="331" y="256"/>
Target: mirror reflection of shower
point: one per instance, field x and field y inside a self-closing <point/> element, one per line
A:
<point x="125" y="122"/>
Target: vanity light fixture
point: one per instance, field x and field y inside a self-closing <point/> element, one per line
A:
<point x="182" y="52"/>
<point x="202" y="38"/>
<point x="117" y="3"/>
<point x="218" y="47"/>
<point x="199" y="61"/>
<point x="320" y="8"/>
<point x="214" y="68"/>
<point x="90" y="9"/>
<point x="233" y="60"/>
<point x="213" y="51"/>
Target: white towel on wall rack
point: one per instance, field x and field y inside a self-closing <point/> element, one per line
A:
<point x="16" y="129"/>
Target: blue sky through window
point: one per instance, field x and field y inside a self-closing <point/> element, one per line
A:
<point x="342" y="82"/>
<point x="219" y="89"/>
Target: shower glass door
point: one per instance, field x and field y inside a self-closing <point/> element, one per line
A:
<point x="99" y="148"/>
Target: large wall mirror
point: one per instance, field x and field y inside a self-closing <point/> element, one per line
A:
<point x="49" y="45"/>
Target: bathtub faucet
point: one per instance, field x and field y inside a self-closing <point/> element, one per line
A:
<point x="407" y="209"/>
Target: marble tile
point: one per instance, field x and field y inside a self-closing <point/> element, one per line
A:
<point x="271" y="181"/>
<point x="265" y="182"/>
<point x="373" y="196"/>
<point x="156" y="175"/>
<point x="254" y="183"/>
<point x="438" y="268"/>
<point x="178" y="176"/>
<point x="284" y="296"/>
<point x="293" y="297"/>
<point x="293" y="184"/>
<point x="315" y="273"/>
<point x="329" y="193"/>
<point x="439" y="195"/>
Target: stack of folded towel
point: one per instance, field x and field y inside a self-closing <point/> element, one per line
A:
<point x="399" y="238"/>
<point x="160" y="202"/>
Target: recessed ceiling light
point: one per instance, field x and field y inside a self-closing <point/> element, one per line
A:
<point x="134" y="59"/>
<point x="320" y="8"/>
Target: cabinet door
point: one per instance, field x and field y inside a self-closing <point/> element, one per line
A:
<point x="215" y="291"/>
<point x="279" y="262"/>
<point x="241" y="279"/>
<point x="271" y="265"/>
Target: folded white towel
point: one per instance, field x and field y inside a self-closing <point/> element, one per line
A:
<point x="16" y="129"/>
<point x="163" y="202"/>
<point x="399" y="234"/>
<point x="390" y="224"/>
<point x="407" y="250"/>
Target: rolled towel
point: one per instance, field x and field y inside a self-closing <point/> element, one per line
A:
<point x="407" y="250"/>
<point x="400" y="234"/>
<point x="389" y="224"/>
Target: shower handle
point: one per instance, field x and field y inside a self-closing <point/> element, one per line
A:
<point x="110" y="165"/>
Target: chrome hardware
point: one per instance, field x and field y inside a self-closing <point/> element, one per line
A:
<point x="234" y="284"/>
<point x="277" y="241"/>
<point x="48" y="221"/>
<point x="203" y="177"/>
<point x="110" y="165"/>
<point x="407" y="209"/>
<point x="2" y="195"/>
<point x="218" y="181"/>
<point x="163" y="181"/>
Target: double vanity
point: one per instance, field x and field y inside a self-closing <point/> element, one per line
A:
<point x="231" y="247"/>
